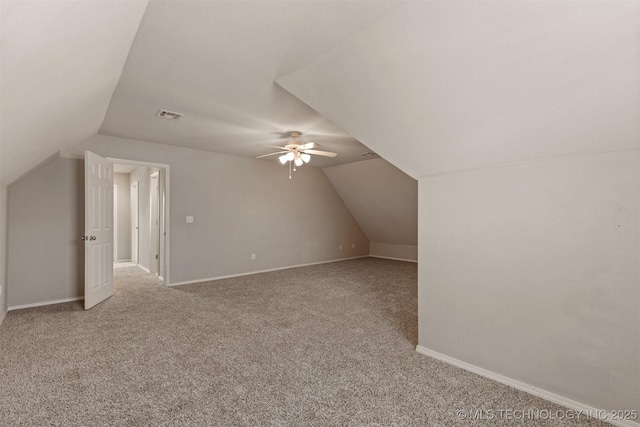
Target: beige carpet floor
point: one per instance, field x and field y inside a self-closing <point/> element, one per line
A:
<point x="323" y="345"/>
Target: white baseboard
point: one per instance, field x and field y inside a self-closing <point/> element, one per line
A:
<point x="145" y="269"/>
<point x="39" y="304"/>
<point x="395" y="259"/>
<point x="544" y="394"/>
<point x="211" y="279"/>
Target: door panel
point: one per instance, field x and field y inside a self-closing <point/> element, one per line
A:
<point x="154" y="237"/>
<point x="98" y="238"/>
<point x="135" y="220"/>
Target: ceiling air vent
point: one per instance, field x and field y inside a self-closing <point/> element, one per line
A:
<point x="169" y="115"/>
<point x="369" y="154"/>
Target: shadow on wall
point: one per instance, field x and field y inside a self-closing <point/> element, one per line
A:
<point x="46" y="223"/>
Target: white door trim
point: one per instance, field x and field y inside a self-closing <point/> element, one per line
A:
<point x="115" y="222"/>
<point x="154" y="223"/>
<point x="135" y="221"/>
<point x="165" y="254"/>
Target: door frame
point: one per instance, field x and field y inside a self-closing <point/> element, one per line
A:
<point x="164" y="263"/>
<point x="115" y="222"/>
<point x="135" y="221"/>
<point x="154" y="229"/>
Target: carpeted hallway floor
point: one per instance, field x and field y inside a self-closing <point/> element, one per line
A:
<point x="324" y="345"/>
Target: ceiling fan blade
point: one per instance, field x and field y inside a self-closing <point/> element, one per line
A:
<point x="275" y="146"/>
<point x="321" y="153"/>
<point x="309" y="145"/>
<point x="267" y="155"/>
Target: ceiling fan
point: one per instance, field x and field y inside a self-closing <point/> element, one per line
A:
<point x="297" y="153"/>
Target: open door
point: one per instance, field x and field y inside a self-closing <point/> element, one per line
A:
<point x="98" y="220"/>
<point x="154" y="216"/>
<point x="135" y="221"/>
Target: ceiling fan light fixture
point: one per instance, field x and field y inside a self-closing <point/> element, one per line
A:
<point x="296" y="153"/>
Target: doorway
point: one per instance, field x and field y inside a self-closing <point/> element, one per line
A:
<point x="142" y="217"/>
<point x="135" y="221"/>
<point x="154" y="223"/>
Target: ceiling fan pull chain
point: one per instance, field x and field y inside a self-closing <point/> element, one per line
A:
<point x="296" y="152"/>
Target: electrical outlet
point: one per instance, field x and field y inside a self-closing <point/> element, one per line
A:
<point x="253" y="256"/>
<point x="189" y="219"/>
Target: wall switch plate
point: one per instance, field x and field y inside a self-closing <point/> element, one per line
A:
<point x="253" y="256"/>
<point x="353" y="246"/>
<point x="340" y="247"/>
<point x="189" y="219"/>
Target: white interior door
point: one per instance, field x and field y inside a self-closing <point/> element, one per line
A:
<point x="162" y="214"/>
<point x="98" y="238"/>
<point x="115" y="223"/>
<point x="154" y="216"/>
<point x="135" y="222"/>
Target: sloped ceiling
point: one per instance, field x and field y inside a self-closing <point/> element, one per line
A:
<point x="61" y="61"/>
<point x="65" y="63"/>
<point x="430" y="86"/>
<point x="382" y="198"/>
<point x="215" y="62"/>
<point x="444" y="86"/>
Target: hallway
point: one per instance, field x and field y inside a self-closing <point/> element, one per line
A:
<point x="128" y="276"/>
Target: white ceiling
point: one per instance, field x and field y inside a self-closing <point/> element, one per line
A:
<point x="61" y="61"/>
<point x="430" y="86"/>
<point x="213" y="61"/>
<point x="122" y="168"/>
<point x="444" y="86"/>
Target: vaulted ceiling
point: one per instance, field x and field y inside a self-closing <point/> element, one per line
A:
<point x="61" y="61"/>
<point x="432" y="86"/>
<point x="72" y="69"/>
<point x="437" y="87"/>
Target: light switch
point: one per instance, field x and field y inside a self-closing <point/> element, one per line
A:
<point x="189" y="219"/>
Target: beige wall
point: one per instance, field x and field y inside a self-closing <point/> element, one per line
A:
<point x="3" y="253"/>
<point x="531" y="271"/>
<point x="389" y="250"/>
<point x="46" y="220"/>
<point x="523" y="269"/>
<point x="240" y="206"/>
<point x="384" y="201"/>
<point x="123" y="216"/>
